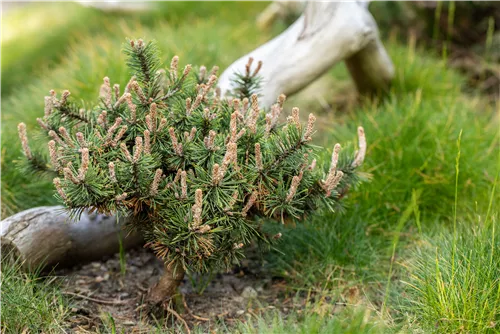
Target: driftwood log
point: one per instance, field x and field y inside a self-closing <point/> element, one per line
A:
<point x="279" y="10"/>
<point x="327" y="33"/>
<point x="46" y="236"/>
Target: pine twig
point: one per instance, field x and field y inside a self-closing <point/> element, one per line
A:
<point x="169" y="309"/>
<point x="100" y="301"/>
<point x="191" y="312"/>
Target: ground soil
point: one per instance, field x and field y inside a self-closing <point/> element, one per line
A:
<point x="101" y="295"/>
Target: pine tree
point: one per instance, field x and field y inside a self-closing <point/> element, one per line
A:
<point x="191" y="170"/>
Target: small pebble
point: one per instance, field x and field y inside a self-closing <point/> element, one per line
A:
<point x="249" y="293"/>
<point x="238" y="299"/>
<point x="240" y="312"/>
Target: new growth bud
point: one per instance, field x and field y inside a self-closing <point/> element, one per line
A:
<point x="173" y="68"/>
<point x="197" y="209"/>
<point x="210" y="140"/>
<point x="310" y="127"/>
<point x="105" y="92"/>
<point x="147" y="142"/>
<point x="111" y="131"/>
<point x="137" y="149"/>
<point x="21" y="128"/>
<point x="125" y="151"/>
<point x="80" y="139"/>
<point x="229" y="157"/>
<point x="156" y="182"/>
<point x="175" y="143"/>
<point x="116" y="89"/>
<point x="68" y="174"/>
<point x="254" y="115"/>
<point x="257" y="69"/>
<point x="64" y="133"/>
<point x="293" y="187"/>
<point x="57" y="183"/>
<point x="119" y="135"/>
<point x="186" y="71"/>
<point x="112" y="173"/>
<point x="152" y="114"/>
<point x="54" y="136"/>
<point x="138" y="90"/>
<point x="84" y="165"/>
<point x="258" y="157"/>
<point x="53" y="155"/>
<point x="131" y="107"/>
<point x="49" y="105"/>
<point x="334" y="177"/>
<point x="294" y="118"/>
<point x="250" y="203"/>
<point x="248" y="66"/>
<point x="64" y="97"/>
<point x="101" y="119"/>
<point x="183" y="185"/>
<point x="360" y="154"/>
<point x="202" y="74"/>
<point x="42" y="124"/>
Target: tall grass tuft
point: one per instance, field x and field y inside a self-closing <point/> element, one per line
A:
<point x="461" y="293"/>
<point x="30" y="303"/>
<point x="349" y="321"/>
<point x="455" y="278"/>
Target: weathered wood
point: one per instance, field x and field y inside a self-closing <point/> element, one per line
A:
<point x="371" y="68"/>
<point x="278" y="9"/>
<point x="327" y="33"/>
<point x="46" y="236"/>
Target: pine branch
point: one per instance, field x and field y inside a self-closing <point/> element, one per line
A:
<point x="143" y="60"/>
<point x="248" y="83"/>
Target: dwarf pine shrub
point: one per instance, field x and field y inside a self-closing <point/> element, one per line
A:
<point x="189" y="168"/>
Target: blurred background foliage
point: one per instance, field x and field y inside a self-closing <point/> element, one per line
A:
<point x="463" y="32"/>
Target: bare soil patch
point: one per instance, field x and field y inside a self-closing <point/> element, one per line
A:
<point x="101" y="295"/>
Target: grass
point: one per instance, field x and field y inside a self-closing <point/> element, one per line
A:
<point x="349" y="321"/>
<point x="455" y="284"/>
<point x="416" y="156"/>
<point x="418" y="243"/>
<point x="455" y="277"/>
<point x="31" y="303"/>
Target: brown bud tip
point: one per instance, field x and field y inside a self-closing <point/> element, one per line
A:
<point x="281" y="99"/>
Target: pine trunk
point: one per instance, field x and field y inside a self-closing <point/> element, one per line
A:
<point x="161" y="293"/>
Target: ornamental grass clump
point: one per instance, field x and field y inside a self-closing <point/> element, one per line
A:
<point x="190" y="169"/>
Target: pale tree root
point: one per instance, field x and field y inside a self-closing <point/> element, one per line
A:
<point x="48" y="236"/>
<point x="327" y="33"/>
